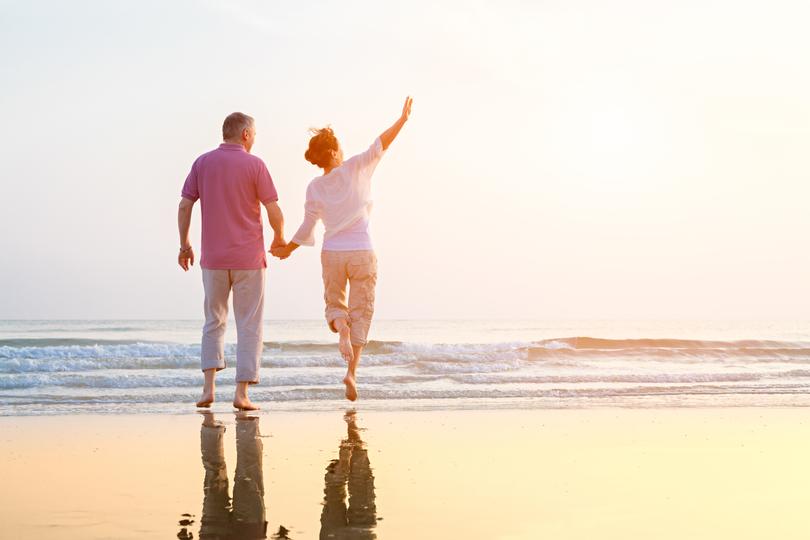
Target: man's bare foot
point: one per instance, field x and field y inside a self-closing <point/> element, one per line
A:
<point x="244" y="404"/>
<point x="207" y="399"/>
<point x="351" y="387"/>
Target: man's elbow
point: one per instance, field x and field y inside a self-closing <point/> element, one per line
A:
<point x="273" y="211"/>
<point x="185" y="205"/>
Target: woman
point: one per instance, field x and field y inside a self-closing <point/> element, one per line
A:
<point x="341" y="198"/>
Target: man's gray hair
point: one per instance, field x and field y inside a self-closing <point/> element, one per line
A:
<point x="234" y="124"/>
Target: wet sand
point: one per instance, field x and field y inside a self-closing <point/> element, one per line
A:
<point x="508" y="474"/>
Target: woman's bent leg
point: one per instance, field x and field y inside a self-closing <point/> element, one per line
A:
<point x="334" y="296"/>
<point x="362" y="270"/>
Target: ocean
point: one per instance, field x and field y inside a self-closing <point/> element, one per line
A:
<point x="109" y="366"/>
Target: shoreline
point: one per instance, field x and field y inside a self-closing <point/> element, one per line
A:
<point x="784" y="401"/>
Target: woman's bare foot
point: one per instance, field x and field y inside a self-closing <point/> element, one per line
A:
<point x="207" y="398"/>
<point x="244" y="404"/>
<point x="351" y="387"/>
<point x="345" y="345"/>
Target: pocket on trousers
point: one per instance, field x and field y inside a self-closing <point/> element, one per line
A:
<point x="363" y="266"/>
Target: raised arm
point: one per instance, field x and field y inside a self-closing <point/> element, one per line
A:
<point x="391" y="133"/>
<point x="186" y="255"/>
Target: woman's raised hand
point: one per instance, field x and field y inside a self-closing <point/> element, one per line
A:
<point x="406" y="109"/>
<point x="388" y="136"/>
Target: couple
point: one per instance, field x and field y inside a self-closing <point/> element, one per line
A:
<point x="231" y="185"/>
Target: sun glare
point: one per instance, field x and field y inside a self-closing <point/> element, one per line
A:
<point x="614" y="139"/>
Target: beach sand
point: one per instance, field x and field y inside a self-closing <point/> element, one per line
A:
<point x="506" y="474"/>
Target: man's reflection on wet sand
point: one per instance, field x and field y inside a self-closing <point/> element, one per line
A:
<point x="246" y="518"/>
<point x="353" y="470"/>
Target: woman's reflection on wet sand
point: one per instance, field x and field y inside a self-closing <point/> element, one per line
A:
<point x="246" y="518"/>
<point x="351" y="470"/>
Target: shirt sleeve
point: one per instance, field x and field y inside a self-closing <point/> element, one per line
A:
<point x="368" y="160"/>
<point x="265" y="188"/>
<point x="190" y="189"/>
<point x="305" y="236"/>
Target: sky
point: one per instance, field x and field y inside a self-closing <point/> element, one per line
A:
<point x="565" y="159"/>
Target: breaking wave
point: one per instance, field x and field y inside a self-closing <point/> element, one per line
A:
<point x="80" y="371"/>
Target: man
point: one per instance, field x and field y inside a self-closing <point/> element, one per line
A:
<point x="230" y="183"/>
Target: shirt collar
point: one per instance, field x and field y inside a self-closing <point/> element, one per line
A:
<point x="231" y="146"/>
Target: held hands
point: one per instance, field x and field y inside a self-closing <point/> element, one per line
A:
<point x="185" y="258"/>
<point x="282" y="252"/>
<point x="279" y="248"/>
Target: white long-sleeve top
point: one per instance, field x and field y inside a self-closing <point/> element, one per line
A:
<point x="342" y="200"/>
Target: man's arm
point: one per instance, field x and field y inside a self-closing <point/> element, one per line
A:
<point x="391" y="133"/>
<point x="186" y="256"/>
<point x="276" y="219"/>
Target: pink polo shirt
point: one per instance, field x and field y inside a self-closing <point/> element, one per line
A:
<point x="230" y="183"/>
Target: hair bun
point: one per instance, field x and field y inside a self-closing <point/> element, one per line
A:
<point x="321" y="146"/>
